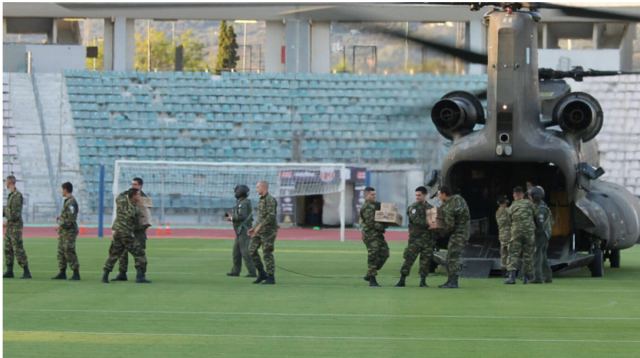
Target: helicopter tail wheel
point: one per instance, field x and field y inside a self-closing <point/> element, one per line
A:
<point x="614" y="258"/>
<point x="597" y="265"/>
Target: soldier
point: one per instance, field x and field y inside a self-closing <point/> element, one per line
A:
<point x="504" y="231"/>
<point x="544" y="223"/>
<point x="420" y="239"/>
<point x="521" y="212"/>
<point x="242" y="219"/>
<point x="456" y="221"/>
<point x="140" y="232"/>
<point x="264" y="234"/>
<point x="67" y="234"/>
<point x="373" y="236"/>
<point x="127" y="219"/>
<point x="13" y="232"/>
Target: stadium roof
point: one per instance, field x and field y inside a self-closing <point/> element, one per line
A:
<point x="269" y="12"/>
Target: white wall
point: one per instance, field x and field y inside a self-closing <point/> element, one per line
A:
<point x="603" y="60"/>
<point x="45" y="58"/>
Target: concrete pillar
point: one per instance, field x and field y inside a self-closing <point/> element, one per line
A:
<point x="119" y="44"/>
<point x="298" y="45"/>
<point x="274" y="42"/>
<point x="321" y="47"/>
<point x="545" y="36"/>
<point x="54" y="31"/>
<point x="626" y="48"/>
<point x="476" y="36"/>
<point x="108" y="45"/>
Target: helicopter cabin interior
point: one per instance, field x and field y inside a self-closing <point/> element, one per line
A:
<point x="481" y="183"/>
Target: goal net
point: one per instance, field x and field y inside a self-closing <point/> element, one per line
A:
<point x="199" y="193"/>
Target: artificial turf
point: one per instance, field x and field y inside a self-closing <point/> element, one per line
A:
<point x="193" y="310"/>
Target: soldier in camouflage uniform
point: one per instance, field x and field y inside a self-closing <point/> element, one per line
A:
<point x="242" y="219"/>
<point x="504" y="231"/>
<point x="127" y="219"/>
<point x="264" y="234"/>
<point x="373" y="236"/>
<point x="521" y="212"/>
<point x="67" y="234"/>
<point x="457" y="225"/>
<point x="140" y="231"/>
<point x="544" y="223"/>
<point x="13" y="232"/>
<point x="420" y="239"/>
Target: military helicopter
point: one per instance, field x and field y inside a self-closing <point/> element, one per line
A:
<point x="594" y="219"/>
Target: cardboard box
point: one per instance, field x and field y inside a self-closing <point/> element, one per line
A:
<point x="433" y="220"/>
<point x="388" y="207"/>
<point x="388" y="217"/>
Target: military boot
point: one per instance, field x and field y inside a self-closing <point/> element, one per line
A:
<point x="261" y="276"/>
<point x="401" y="281"/>
<point x="122" y="276"/>
<point x="446" y="283"/>
<point x="452" y="283"/>
<point x="8" y="273"/>
<point x="26" y="274"/>
<point x="423" y="281"/>
<point x="140" y="277"/>
<point x="105" y="277"/>
<point x="62" y="275"/>
<point x="366" y="277"/>
<point x="511" y="280"/>
<point x="526" y="279"/>
<point x="373" y="282"/>
<point x="270" y="280"/>
<point x="76" y="275"/>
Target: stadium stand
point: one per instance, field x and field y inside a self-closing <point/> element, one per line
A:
<point x="372" y="120"/>
<point x="619" y="139"/>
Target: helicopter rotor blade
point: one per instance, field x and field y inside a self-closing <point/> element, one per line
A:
<point x="465" y="55"/>
<point x="588" y="12"/>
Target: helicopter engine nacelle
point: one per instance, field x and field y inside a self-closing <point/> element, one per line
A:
<point x="579" y="114"/>
<point x="456" y="113"/>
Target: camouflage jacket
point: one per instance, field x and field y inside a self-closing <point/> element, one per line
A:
<point x="417" y="215"/>
<point x="13" y="210"/>
<point x="504" y="223"/>
<point x="241" y="217"/>
<point x="368" y="219"/>
<point x="127" y="216"/>
<point x="543" y="220"/>
<point x="267" y="211"/>
<point x="68" y="219"/>
<point x="455" y="216"/>
<point x="144" y="219"/>
<point x="521" y="213"/>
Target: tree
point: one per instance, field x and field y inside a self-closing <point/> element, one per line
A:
<point x="162" y="52"/>
<point x="193" y="52"/>
<point x="227" y="48"/>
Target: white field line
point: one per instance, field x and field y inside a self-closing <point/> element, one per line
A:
<point x="343" y="338"/>
<point x="328" y="315"/>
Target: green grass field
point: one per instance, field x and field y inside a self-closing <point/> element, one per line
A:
<point x="193" y="310"/>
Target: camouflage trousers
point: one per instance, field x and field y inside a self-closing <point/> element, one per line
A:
<point x="504" y="251"/>
<point x="454" y="253"/>
<point x="123" y="244"/>
<point x="418" y="245"/>
<point x="140" y="240"/>
<point x="241" y="252"/>
<point x="267" y="241"/>
<point x="13" y="246"/>
<point x="377" y="253"/>
<point x="542" y="269"/>
<point x="67" y="250"/>
<point x="521" y="251"/>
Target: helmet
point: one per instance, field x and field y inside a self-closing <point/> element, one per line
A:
<point x="537" y="193"/>
<point x="241" y="191"/>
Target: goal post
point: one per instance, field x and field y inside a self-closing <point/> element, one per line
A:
<point x="197" y="193"/>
